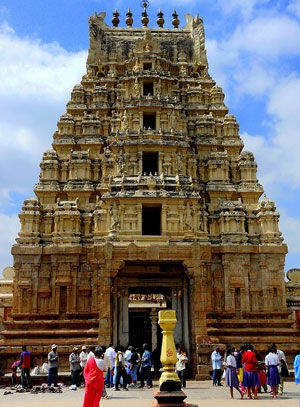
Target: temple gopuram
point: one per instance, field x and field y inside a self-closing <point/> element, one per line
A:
<point x="148" y="201"/>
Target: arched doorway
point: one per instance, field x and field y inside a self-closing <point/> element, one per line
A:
<point x="140" y="290"/>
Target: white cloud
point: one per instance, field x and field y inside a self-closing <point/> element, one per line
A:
<point x="36" y="80"/>
<point x="278" y="155"/>
<point x="269" y="36"/>
<point x="30" y="68"/>
<point x="9" y="226"/>
<point x="246" y="61"/>
<point x="245" y="7"/>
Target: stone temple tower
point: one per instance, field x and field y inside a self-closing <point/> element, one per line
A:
<point x="147" y="200"/>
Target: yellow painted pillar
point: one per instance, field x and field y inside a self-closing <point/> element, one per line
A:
<point x="167" y="321"/>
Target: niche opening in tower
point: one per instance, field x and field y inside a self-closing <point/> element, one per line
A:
<point x="150" y="162"/>
<point x="147" y="66"/>
<point x="151" y="220"/>
<point x="148" y="88"/>
<point x="149" y="121"/>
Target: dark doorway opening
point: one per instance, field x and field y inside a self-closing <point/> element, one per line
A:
<point x="150" y="162"/>
<point x="148" y="88"/>
<point x="139" y="329"/>
<point x="149" y="121"/>
<point x="151" y="220"/>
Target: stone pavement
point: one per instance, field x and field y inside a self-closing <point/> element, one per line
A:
<point x="199" y="393"/>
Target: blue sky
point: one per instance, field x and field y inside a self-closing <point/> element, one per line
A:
<point x="254" y="54"/>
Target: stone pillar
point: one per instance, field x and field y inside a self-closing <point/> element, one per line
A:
<point x="186" y="336"/>
<point x="104" y="306"/>
<point x="154" y="319"/>
<point x="35" y="285"/>
<point x="115" y="318"/>
<point x="123" y="318"/>
<point x="109" y="270"/>
<point x="176" y="305"/>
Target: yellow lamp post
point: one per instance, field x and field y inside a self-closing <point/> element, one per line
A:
<point x="167" y="321"/>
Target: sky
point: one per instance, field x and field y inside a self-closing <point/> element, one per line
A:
<point x="253" y="51"/>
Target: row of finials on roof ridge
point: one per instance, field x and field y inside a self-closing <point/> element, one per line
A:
<point x="145" y="19"/>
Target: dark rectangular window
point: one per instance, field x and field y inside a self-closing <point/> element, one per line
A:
<point x="149" y="121"/>
<point x="148" y="88"/>
<point x="151" y="219"/>
<point x="150" y="162"/>
<point x="147" y="66"/>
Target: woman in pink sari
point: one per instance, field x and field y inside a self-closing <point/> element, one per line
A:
<point x="94" y="382"/>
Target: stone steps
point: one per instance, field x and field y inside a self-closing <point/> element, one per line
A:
<point x="64" y="333"/>
<point x="257" y="323"/>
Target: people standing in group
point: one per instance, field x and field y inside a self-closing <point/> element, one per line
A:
<point x="272" y="363"/>
<point x="53" y="360"/>
<point x="283" y="369"/>
<point x="111" y="354"/>
<point x="250" y="376"/>
<point x="134" y="366"/>
<point x="120" y="369"/>
<point x="146" y="363"/>
<point x="75" y="367"/>
<point x="180" y="366"/>
<point x="94" y="381"/>
<point x="216" y="360"/>
<point x="26" y="365"/>
<point x="297" y="368"/>
<point x="231" y="378"/>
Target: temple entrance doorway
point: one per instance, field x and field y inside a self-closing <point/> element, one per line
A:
<point x="140" y="291"/>
<point x="140" y="330"/>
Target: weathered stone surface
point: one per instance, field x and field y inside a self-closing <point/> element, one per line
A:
<point x="81" y="246"/>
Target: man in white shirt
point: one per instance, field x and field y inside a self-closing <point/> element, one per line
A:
<point x="110" y="353"/>
<point x="180" y="366"/>
<point x="216" y="360"/>
<point x="83" y="357"/>
<point x="127" y="356"/>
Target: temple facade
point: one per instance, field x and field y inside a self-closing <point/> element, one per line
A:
<point x="147" y="201"/>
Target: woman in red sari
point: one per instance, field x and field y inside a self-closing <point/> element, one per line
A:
<point x="94" y="382"/>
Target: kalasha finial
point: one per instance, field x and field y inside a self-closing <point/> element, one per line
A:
<point x="115" y="20"/>
<point x="129" y="19"/>
<point x="145" y="4"/>
<point x="145" y="19"/>
<point x="175" y="20"/>
<point x="160" y="21"/>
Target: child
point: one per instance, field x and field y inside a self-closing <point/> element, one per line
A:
<point x="272" y="362"/>
<point x="14" y="376"/>
<point x="262" y="377"/>
<point x="231" y="379"/>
